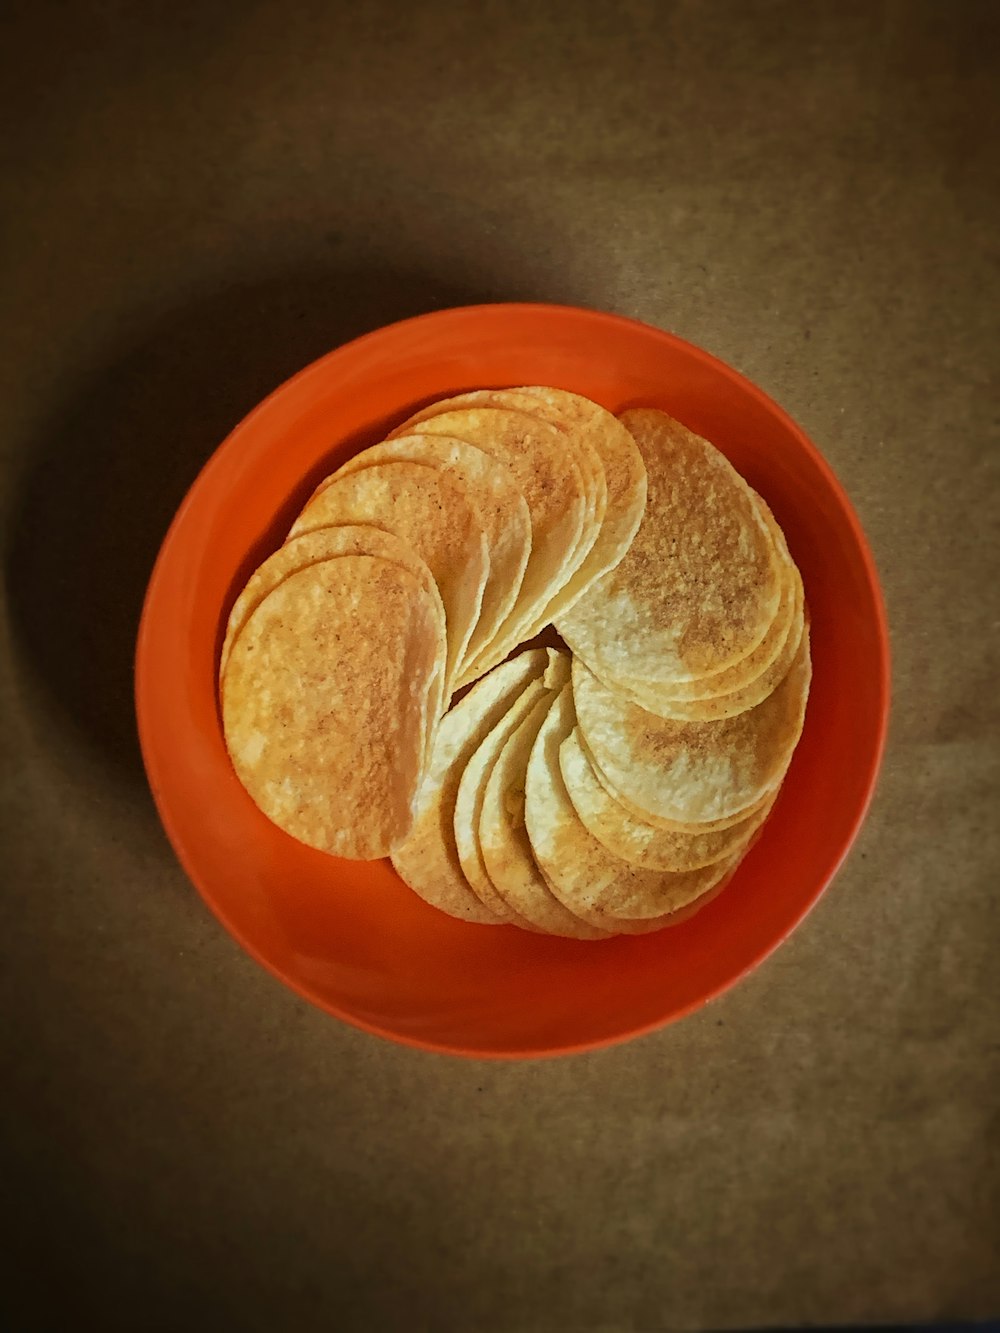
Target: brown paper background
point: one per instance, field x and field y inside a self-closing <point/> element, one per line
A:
<point x="198" y="199"/>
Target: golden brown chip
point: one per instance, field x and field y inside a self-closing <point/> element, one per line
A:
<point x="501" y="507"/>
<point x="590" y="882"/>
<point x="577" y="441"/>
<point x="739" y="687"/>
<point x="428" y="860"/>
<point x="716" y="707"/>
<point x="550" y="481"/>
<point x="636" y="841"/>
<point x="701" y="582"/>
<point x="326" y="702"/>
<point x="310" y="549"/>
<point x="692" y="771"/>
<point x="432" y="512"/>
<point x="624" y="479"/>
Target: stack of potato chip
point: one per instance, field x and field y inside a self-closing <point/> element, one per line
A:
<point x="411" y="571"/>
<point x="586" y="793"/>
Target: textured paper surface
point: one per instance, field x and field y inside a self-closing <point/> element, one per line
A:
<point x="196" y="202"/>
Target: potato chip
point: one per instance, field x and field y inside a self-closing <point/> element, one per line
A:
<point x="636" y="841"/>
<point x="525" y="401"/>
<point x="689" y="827"/>
<point x="589" y="881"/>
<point x="552" y="486"/>
<point x="501" y="507"/>
<point x="736" y="688"/>
<point x="432" y="512"/>
<point x="691" y="771"/>
<point x="428" y="860"/>
<point x="310" y="549"/>
<point x="469" y="799"/>
<point x="326" y="702"/>
<point x="624" y="479"/>
<point x="701" y="582"/>
<point x="506" y="847"/>
<point x="717" y="707"/>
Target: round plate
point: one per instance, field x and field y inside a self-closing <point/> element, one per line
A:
<point x="349" y="935"/>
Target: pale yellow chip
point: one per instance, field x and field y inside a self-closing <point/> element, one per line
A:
<point x="701" y="583"/>
<point x="634" y="840"/>
<point x="590" y="882"/>
<point x="550" y="481"/>
<point x="428" y="860"/>
<point x="505" y="843"/>
<point x="692" y="771"/>
<point x="432" y="512"/>
<point x="469" y="800"/>
<point x="325" y="716"/>
<point x="472" y="785"/>
<point x="688" y="827"/>
<point x="327" y="544"/>
<point x="502" y="510"/>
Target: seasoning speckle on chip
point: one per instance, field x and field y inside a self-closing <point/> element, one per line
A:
<point x="701" y="582"/>
<point x="326" y="721"/>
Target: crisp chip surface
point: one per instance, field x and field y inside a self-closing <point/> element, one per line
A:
<point x="634" y="840"/>
<point x="589" y="881"/>
<point x="692" y="771"/>
<point x="624" y="474"/>
<point x="310" y="549"/>
<point x="428" y="860"/>
<point x="716" y="707"/>
<point x="501" y="507"/>
<point x="687" y="826"/>
<point x="576" y="441"/>
<point x="506" y="846"/>
<point x="472" y="790"/>
<point x="550" y="481"/>
<point x="701" y="582"/>
<point x="324" y="720"/>
<point x="739" y="687"/>
<point x="432" y="512"/>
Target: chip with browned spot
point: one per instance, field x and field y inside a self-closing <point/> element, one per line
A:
<point x="550" y="481"/>
<point x="311" y="548"/>
<point x="327" y="699"/>
<point x="692" y="771"/>
<point x="623" y="470"/>
<point x="431" y="511"/>
<point x="589" y="881"/>
<point x="576" y="443"/>
<point x="501" y="507"/>
<point x="636" y="840"/>
<point x="736" y="688"/>
<point x="701" y="583"/>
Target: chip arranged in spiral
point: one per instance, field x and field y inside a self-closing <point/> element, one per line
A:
<point x="383" y="691"/>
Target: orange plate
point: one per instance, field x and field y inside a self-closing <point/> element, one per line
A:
<point x="349" y="935"/>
